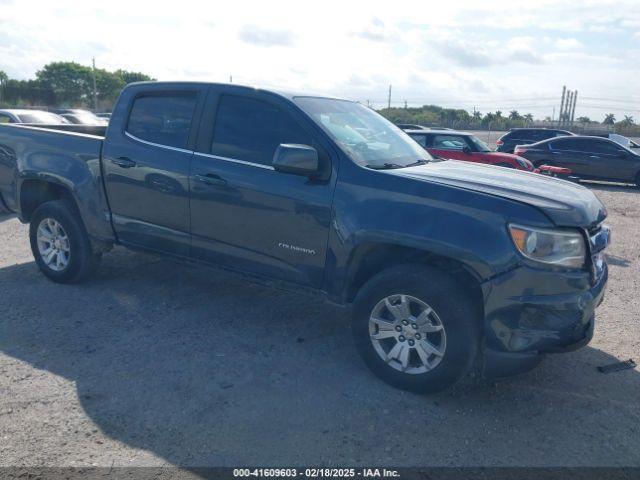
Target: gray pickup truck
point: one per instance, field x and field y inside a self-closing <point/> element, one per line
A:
<point x="446" y="266"/>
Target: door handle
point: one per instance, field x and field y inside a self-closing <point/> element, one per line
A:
<point x="594" y="156"/>
<point x="123" y="162"/>
<point x="210" y="179"/>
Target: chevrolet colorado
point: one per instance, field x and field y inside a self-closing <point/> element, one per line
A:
<point x="447" y="266"/>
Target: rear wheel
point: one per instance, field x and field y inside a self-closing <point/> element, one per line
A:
<point x="60" y="244"/>
<point x="415" y="328"/>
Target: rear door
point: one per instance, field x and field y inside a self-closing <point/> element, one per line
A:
<point x="146" y="162"/>
<point x="246" y="215"/>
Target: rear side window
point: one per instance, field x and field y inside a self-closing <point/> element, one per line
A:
<point x="421" y="139"/>
<point x="163" y="119"/>
<point x="251" y="130"/>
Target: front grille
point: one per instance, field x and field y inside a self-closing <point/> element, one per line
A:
<point x="599" y="239"/>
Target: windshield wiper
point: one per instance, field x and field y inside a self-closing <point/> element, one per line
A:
<point x="385" y="166"/>
<point x="388" y="165"/>
<point x="419" y="162"/>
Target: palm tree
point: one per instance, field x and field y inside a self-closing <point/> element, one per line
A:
<point x="498" y="114"/>
<point x="477" y="116"/>
<point x="609" y="119"/>
<point x="514" y="115"/>
<point x="628" y="120"/>
<point x="528" y="118"/>
<point x="584" y="120"/>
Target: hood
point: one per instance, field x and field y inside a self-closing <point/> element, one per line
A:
<point x="565" y="203"/>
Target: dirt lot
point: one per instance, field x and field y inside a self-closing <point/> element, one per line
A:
<point x="154" y="363"/>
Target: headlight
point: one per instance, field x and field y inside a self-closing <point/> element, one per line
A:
<point x="556" y="247"/>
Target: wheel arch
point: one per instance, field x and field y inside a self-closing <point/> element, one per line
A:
<point x="35" y="192"/>
<point x="370" y="258"/>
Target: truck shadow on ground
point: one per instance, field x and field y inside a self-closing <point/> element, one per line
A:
<point x="201" y="368"/>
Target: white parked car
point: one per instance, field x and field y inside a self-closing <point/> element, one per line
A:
<point x="15" y="115"/>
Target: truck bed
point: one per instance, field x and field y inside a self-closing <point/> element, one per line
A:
<point x="66" y="158"/>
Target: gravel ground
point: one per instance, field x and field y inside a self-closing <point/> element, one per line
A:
<point x="158" y="363"/>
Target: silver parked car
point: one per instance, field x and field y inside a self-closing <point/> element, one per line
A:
<point x="15" y="115"/>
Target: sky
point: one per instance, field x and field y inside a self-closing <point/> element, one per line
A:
<point x="490" y="55"/>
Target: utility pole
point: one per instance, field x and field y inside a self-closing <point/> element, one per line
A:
<point x="389" y="100"/>
<point x="573" y="109"/>
<point x="405" y="104"/>
<point x="553" y="115"/>
<point x="230" y="78"/>
<point x="95" y="92"/>
<point x="564" y="90"/>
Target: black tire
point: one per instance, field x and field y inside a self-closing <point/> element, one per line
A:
<point x="82" y="261"/>
<point x="459" y="317"/>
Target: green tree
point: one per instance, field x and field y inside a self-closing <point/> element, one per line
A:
<point x="528" y="118"/>
<point x="3" y="79"/>
<point x="130" y="77"/>
<point x="584" y="120"/>
<point x="514" y="115"/>
<point x="609" y="119"/>
<point x="70" y="81"/>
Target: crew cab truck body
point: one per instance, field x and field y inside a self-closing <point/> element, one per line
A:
<point x="447" y="266"/>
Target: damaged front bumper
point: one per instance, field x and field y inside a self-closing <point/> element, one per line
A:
<point x="530" y="312"/>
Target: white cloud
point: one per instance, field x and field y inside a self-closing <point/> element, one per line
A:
<point x="462" y="52"/>
<point x="568" y="44"/>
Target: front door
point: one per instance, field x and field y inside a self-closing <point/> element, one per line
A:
<point x="146" y="166"/>
<point x="611" y="161"/>
<point x="453" y="147"/>
<point x="246" y="215"/>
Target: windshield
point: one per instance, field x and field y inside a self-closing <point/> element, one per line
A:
<point x="480" y="145"/>
<point x="41" y="117"/>
<point x="370" y="139"/>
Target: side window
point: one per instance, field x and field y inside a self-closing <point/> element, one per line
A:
<point x="448" y="142"/>
<point x="421" y="139"/>
<point x="163" y="118"/>
<point x="568" y="144"/>
<point x="4" y="118"/>
<point x="604" y="147"/>
<point x="251" y="130"/>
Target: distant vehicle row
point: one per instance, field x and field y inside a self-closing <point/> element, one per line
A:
<point x="594" y="158"/>
<point x="57" y="117"/>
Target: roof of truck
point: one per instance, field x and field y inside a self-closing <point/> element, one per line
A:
<point x="290" y="94"/>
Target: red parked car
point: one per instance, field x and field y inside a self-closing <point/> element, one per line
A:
<point x="466" y="146"/>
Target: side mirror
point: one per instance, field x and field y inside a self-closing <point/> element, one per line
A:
<point x="466" y="149"/>
<point x="296" y="160"/>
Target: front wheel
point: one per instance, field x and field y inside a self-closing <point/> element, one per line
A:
<point x="60" y="244"/>
<point x="416" y="328"/>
